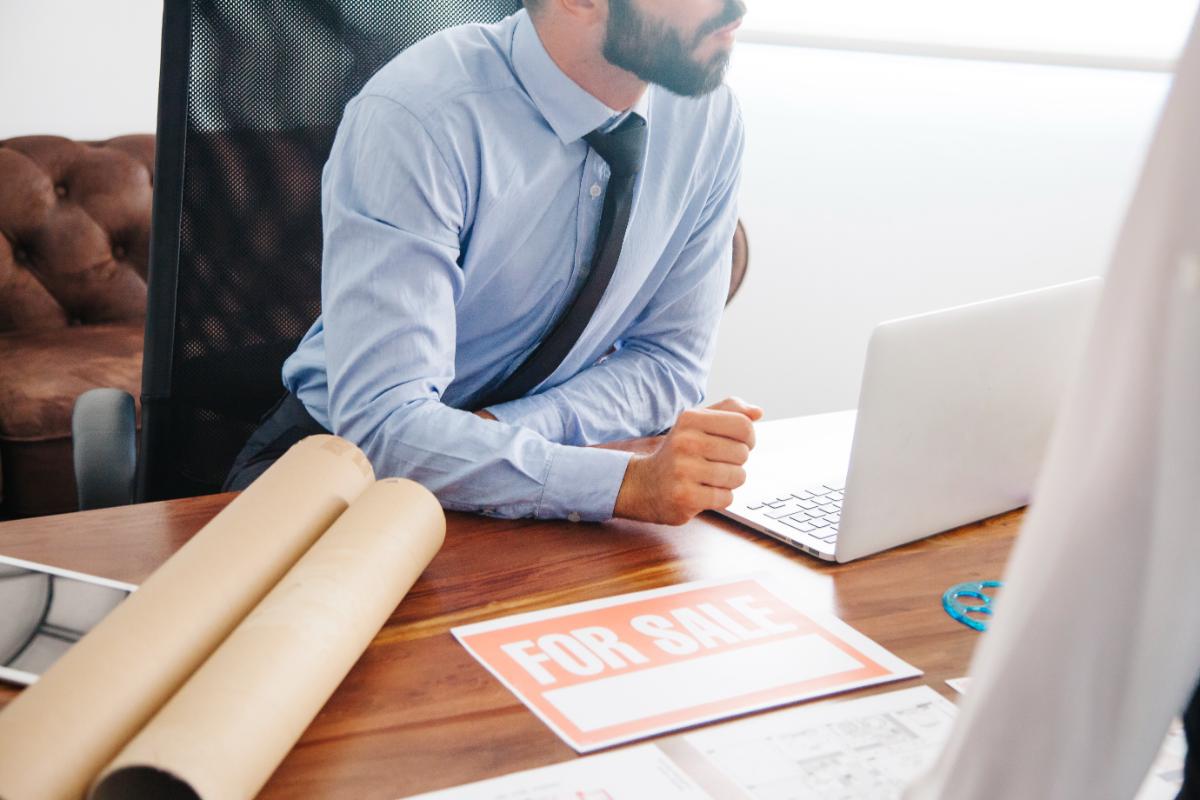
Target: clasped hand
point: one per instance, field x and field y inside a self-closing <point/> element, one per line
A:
<point x="693" y="468"/>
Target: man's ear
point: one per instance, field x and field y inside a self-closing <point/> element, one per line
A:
<point x="588" y="11"/>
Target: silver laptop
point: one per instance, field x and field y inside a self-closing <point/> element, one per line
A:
<point x="954" y="415"/>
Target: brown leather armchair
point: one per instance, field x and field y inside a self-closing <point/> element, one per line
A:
<point x="75" y="225"/>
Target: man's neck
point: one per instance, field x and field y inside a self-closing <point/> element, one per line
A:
<point x="578" y="53"/>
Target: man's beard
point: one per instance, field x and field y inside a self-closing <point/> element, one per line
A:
<point x="658" y="54"/>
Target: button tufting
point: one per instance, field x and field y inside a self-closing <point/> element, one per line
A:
<point x="118" y="251"/>
<point x="60" y="189"/>
<point x="19" y="255"/>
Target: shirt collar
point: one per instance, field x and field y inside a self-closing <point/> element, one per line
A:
<point x="640" y="108"/>
<point x="569" y="108"/>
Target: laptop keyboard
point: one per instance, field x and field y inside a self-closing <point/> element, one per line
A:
<point x="815" y="511"/>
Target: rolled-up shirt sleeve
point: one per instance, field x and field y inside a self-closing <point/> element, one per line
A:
<point x="394" y="208"/>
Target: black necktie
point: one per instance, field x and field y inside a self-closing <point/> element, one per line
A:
<point x="624" y="150"/>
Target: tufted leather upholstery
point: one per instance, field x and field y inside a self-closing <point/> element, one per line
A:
<point x="75" y="225"/>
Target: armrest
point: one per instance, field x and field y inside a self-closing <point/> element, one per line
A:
<point x="104" y="439"/>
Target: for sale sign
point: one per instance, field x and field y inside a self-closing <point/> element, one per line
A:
<point x="610" y="671"/>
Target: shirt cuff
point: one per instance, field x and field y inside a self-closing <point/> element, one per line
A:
<point x="536" y="412"/>
<point x="582" y="483"/>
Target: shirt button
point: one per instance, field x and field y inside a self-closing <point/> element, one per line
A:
<point x="595" y="190"/>
<point x="574" y="516"/>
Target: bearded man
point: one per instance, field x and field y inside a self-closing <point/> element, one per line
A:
<point x="527" y="233"/>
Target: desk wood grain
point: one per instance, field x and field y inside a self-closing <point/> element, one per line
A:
<point x="418" y="713"/>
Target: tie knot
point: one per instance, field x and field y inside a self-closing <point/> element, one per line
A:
<point x="624" y="147"/>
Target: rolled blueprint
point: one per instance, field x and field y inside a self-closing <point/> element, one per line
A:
<point x="227" y="729"/>
<point x="60" y="732"/>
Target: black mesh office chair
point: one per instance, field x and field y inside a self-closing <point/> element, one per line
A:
<point x="250" y="95"/>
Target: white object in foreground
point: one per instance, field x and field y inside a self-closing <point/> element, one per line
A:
<point x="1095" y="645"/>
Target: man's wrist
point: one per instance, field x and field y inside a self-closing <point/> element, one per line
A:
<point x="630" y="496"/>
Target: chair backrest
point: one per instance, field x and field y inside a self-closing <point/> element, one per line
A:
<point x="250" y="95"/>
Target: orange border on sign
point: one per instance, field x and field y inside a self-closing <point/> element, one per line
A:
<point x="486" y="646"/>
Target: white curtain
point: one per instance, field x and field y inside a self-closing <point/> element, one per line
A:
<point x="1096" y="641"/>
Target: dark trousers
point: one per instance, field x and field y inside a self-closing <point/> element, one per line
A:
<point x="281" y="427"/>
<point x="1191" y="765"/>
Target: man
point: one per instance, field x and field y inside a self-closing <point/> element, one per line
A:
<point x="481" y="187"/>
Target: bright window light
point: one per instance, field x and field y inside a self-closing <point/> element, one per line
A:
<point x="1130" y="31"/>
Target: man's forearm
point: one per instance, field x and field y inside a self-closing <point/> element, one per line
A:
<point x="694" y="468"/>
<point x="477" y="465"/>
<point x="631" y="394"/>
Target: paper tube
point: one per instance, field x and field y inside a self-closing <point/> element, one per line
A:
<point x="60" y="732"/>
<point x="231" y="724"/>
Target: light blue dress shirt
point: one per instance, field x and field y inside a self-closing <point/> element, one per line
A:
<point x="460" y="207"/>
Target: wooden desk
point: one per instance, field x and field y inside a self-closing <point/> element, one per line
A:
<point x="418" y="713"/>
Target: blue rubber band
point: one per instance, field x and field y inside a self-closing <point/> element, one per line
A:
<point x="959" y="611"/>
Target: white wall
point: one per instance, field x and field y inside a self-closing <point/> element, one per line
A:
<point x="878" y="186"/>
<point x="87" y="69"/>
<point x="875" y="186"/>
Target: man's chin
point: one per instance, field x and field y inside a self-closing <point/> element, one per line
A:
<point x="693" y="90"/>
<point x="718" y="45"/>
<point x="692" y="80"/>
<point x="707" y="81"/>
